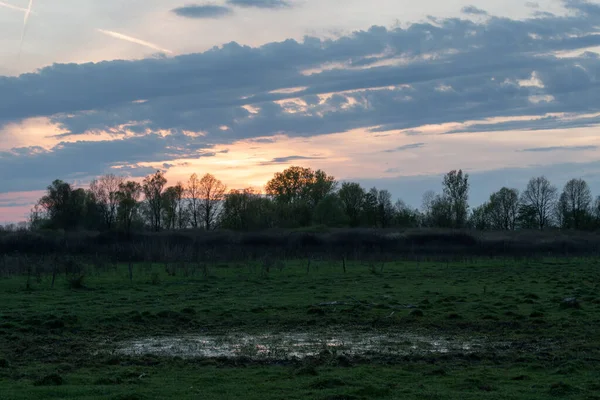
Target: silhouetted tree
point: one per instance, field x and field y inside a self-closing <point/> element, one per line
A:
<point x="169" y="199"/>
<point x="575" y="204"/>
<point x="64" y="206"/>
<point x="480" y="217"/>
<point x="456" y="191"/>
<point x="153" y="187"/>
<point x="329" y="211"/>
<point x="503" y="209"/>
<point x="406" y="217"/>
<point x="539" y="196"/>
<point x="212" y="193"/>
<point x="370" y="207"/>
<point x="105" y="191"/>
<point x="352" y="196"/>
<point x="297" y="191"/>
<point x="246" y="210"/>
<point x="193" y="195"/>
<point x="128" y="196"/>
<point x="385" y="209"/>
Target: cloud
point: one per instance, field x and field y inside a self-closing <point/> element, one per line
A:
<point x="532" y="4"/>
<point x="31" y="168"/>
<point x="131" y="39"/>
<point x="379" y="79"/>
<point x="13" y="7"/>
<point x="260" y="3"/>
<point x="472" y="10"/>
<point x="561" y="148"/>
<point x="288" y="159"/>
<point x="405" y="147"/>
<point x="202" y="11"/>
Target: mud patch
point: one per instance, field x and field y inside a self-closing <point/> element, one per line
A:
<point x="294" y="345"/>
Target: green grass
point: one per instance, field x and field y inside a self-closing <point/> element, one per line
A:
<point x="49" y="338"/>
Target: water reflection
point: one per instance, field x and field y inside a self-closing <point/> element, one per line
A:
<point x="292" y="345"/>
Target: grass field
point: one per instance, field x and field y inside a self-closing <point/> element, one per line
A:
<point x="525" y="342"/>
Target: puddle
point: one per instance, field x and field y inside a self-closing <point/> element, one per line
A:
<point x="292" y="345"/>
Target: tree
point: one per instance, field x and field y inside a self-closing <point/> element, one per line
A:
<point x="298" y="184"/>
<point x="64" y="206"/>
<point x="128" y="196"/>
<point x="193" y="194"/>
<point x="321" y="187"/>
<point x="246" y="210"/>
<point x="297" y="191"/>
<point x="105" y="191"/>
<point x="503" y="209"/>
<point x="575" y="203"/>
<point x="329" y="211"/>
<point x="480" y="217"/>
<point x="235" y="209"/>
<point x="456" y="191"/>
<point x="153" y="187"/>
<point x="427" y="203"/>
<point x="291" y="185"/>
<point x="212" y="192"/>
<point x="527" y="217"/>
<point x="169" y="199"/>
<point x="370" y="207"/>
<point x="442" y="213"/>
<point x="540" y="197"/>
<point x="352" y="196"/>
<point x="405" y="216"/>
<point x="385" y="209"/>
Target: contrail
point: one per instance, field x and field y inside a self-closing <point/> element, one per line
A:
<point x="133" y="40"/>
<point x="12" y="7"/>
<point x="27" y="12"/>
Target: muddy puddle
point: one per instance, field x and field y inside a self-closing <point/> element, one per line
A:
<point x="293" y="345"/>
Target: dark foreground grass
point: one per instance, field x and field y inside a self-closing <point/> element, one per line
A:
<point x="540" y="347"/>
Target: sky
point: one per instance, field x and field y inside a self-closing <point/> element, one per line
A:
<point x="388" y="93"/>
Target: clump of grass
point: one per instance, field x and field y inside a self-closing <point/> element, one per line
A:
<point x="416" y="313"/>
<point x="49" y="380"/>
<point x="306" y="370"/>
<point x="561" y="389"/>
<point x="76" y="281"/>
<point x="155" y="278"/>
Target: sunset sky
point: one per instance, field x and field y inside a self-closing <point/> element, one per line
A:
<point x="388" y="93"/>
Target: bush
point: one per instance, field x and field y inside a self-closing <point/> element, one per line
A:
<point x="76" y="281"/>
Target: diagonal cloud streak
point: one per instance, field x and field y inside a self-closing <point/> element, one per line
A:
<point x="12" y="7"/>
<point x="117" y="35"/>
<point x="25" y="20"/>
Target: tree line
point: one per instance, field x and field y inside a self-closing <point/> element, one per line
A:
<point x="301" y="197"/>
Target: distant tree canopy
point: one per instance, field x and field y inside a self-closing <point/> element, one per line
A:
<point x="301" y="197"/>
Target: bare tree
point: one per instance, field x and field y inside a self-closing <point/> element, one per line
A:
<point x="193" y="195"/>
<point x="427" y="202"/>
<point x="212" y="193"/>
<point x="503" y="209"/>
<point x="385" y="208"/>
<point x="105" y="191"/>
<point x="575" y="203"/>
<point x="456" y="190"/>
<point x="596" y="210"/>
<point x="540" y="197"/>
<point x="182" y="219"/>
<point x="169" y="199"/>
<point x="153" y="186"/>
